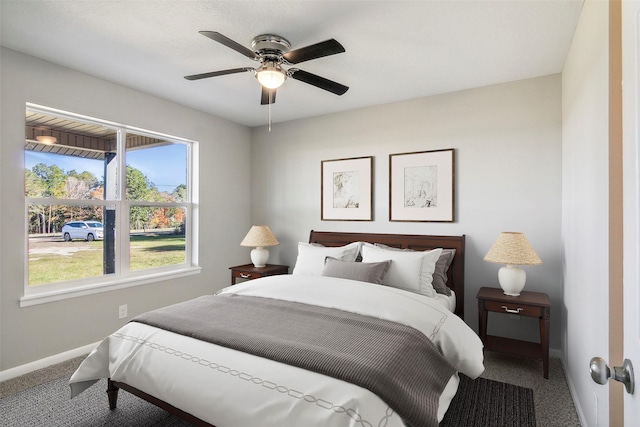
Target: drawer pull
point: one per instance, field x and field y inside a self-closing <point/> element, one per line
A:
<point x="516" y="311"/>
<point x="245" y="275"/>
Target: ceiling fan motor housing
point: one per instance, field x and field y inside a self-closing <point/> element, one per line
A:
<point x="270" y="44"/>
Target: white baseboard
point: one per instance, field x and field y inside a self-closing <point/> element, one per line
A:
<point x="8" y="374"/>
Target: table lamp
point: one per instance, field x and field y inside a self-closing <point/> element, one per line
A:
<point x="259" y="236"/>
<point x="512" y="249"/>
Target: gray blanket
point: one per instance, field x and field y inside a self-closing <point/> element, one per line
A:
<point x="396" y="362"/>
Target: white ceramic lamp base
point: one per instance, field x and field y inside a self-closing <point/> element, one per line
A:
<point x="260" y="256"/>
<point x="512" y="279"/>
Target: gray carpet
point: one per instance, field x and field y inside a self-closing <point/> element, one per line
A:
<point x="481" y="402"/>
<point x="553" y="402"/>
<point x="49" y="405"/>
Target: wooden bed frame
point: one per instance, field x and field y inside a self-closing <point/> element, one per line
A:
<point x="416" y="242"/>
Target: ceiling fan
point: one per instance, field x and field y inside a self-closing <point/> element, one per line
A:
<point x="272" y="51"/>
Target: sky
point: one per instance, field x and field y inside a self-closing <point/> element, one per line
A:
<point x="165" y="166"/>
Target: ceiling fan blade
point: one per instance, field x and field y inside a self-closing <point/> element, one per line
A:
<point x="214" y="35"/>
<point x="218" y="73"/>
<point x="317" y="81"/>
<point x="318" y="50"/>
<point x="265" y="98"/>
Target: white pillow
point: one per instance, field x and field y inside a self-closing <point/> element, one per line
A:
<point x="411" y="271"/>
<point x="310" y="261"/>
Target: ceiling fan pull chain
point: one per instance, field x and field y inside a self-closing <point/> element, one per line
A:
<point x="270" y="92"/>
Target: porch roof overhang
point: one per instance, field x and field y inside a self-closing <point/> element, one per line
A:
<point x="76" y="138"/>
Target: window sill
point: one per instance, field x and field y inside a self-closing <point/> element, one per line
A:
<point x="91" y="289"/>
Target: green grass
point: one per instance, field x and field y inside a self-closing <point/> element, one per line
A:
<point x="156" y="250"/>
<point x="146" y="251"/>
<point x="50" y="268"/>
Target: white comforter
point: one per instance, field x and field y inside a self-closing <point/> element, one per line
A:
<point x="229" y="388"/>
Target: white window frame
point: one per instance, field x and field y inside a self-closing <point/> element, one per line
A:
<point x="122" y="277"/>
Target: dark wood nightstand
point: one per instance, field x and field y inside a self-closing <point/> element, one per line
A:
<point x="530" y="304"/>
<point x="250" y="272"/>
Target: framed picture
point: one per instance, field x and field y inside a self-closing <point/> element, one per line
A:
<point x="421" y="186"/>
<point x="346" y="189"/>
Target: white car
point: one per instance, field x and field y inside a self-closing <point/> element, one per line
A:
<point x="85" y="230"/>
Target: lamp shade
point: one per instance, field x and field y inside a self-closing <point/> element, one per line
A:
<point x="259" y="236"/>
<point x="512" y="248"/>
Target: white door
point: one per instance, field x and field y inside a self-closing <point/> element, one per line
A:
<point x="631" y="192"/>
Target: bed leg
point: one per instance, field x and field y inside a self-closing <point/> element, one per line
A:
<point x="112" y="393"/>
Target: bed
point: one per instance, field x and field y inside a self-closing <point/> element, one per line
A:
<point x="210" y="384"/>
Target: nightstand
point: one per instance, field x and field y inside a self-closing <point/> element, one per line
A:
<point x="250" y="272"/>
<point x="530" y="304"/>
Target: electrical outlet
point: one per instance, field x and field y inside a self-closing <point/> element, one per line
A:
<point x="122" y="311"/>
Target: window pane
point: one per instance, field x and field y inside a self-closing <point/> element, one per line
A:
<point x="62" y="177"/>
<point x="156" y="169"/>
<point x="68" y="159"/>
<point x="157" y="237"/>
<point x="68" y="243"/>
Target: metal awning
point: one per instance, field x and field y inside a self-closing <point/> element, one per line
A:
<point x="77" y="138"/>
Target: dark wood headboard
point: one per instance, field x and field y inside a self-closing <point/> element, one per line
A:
<point x="408" y="241"/>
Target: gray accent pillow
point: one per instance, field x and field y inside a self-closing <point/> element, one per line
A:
<point x="442" y="266"/>
<point x="440" y="274"/>
<point x="372" y="272"/>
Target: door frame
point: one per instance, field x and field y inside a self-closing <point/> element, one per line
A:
<point x="630" y="48"/>
<point x="616" y="226"/>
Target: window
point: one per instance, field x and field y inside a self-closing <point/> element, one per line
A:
<point x="107" y="205"/>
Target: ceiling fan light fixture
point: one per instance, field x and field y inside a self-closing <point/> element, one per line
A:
<point x="46" y="139"/>
<point x="270" y="75"/>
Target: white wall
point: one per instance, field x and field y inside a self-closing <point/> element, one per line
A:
<point x="508" y="169"/>
<point x="33" y="333"/>
<point x="585" y="191"/>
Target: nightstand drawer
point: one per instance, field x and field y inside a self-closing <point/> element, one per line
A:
<point x="513" y="308"/>
<point x="245" y="275"/>
<point x="250" y="272"/>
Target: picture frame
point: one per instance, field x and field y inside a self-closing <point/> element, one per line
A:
<point x="346" y="189"/>
<point x="421" y="186"/>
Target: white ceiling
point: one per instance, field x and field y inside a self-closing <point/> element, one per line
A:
<point x="395" y="50"/>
